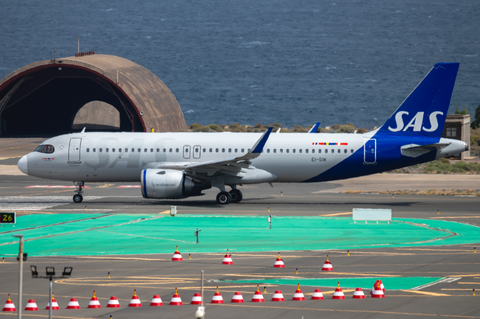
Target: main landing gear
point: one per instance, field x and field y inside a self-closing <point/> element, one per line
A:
<point x="78" y="198"/>
<point x="234" y="196"/>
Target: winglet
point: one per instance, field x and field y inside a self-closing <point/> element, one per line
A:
<point x="258" y="147"/>
<point x="314" y="128"/>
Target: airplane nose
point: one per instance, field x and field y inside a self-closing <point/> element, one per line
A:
<point x="22" y="165"/>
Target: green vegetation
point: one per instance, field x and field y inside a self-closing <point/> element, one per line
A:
<point x="463" y="112"/>
<point x="237" y="127"/>
<point x="476" y="123"/>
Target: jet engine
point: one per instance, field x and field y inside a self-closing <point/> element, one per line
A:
<point x="167" y="183"/>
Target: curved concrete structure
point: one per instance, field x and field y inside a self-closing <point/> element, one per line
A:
<point x="43" y="97"/>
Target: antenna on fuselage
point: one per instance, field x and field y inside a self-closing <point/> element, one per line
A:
<point x="83" y="131"/>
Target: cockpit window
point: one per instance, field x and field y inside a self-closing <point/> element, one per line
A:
<point x="45" y="148"/>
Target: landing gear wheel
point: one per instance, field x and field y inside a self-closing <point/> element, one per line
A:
<point x="236" y="195"/>
<point x="77" y="198"/>
<point x="224" y="198"/>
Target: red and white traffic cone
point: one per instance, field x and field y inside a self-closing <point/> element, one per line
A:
<point x="258" y="297"/>
<point x="196" y="299"/>
<point x="327" y="266"/>
<point x="298" y="295"/>
<point x="237" y="297"/>
<point x="176" y="300"/>
<point x="156" y="301"/>
<point x="177" y="256"/>
<point x="338" y="294"/>
<point x="377" y="291"/>
<point x="317" y="295"/>
<point x="73" y="304"/>
<point x="382" y="286"/>
<point x="113" y="302"/>
<point x="278" y="296"/>
<point x="9" y="305"/>
<point x="279" y="262"/>
<point x="217" y="297"/>
<point x="358" y="294"/>
<point x="54" y="304"/>
<point x="227" y="260"/>
<point x="135" y="301"/>
<point x="31" y="305"/>
<point x="94" y="303"/>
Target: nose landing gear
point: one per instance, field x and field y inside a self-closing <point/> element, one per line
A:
<point x="78" y="198"/>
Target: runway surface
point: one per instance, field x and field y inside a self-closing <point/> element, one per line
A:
<point x="420" y="280"/>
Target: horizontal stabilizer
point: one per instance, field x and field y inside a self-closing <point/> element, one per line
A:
<point x="414" y="150"/>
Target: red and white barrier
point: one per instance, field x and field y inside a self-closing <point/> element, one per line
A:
<point x="94" y="303"/>
<point x="156" y="301"/>
<point x="279" y="262"/>
<point x="31" y="305"/>
<point x="73" y="304"/>
<point x="135" y="301"/>
<point x="176" y="300"/>
<point x="217" y="297"/>
<point x="237" y="298"/>
<point x="258" y="297"/>
<point x="177" y="256"/>
<point x="327" y="266"/>
<point x="9" y="305"/>
<point x="338" y="294"/>
<point x="317" y="295"/>
<point x="358" y="294"/>
<point x="113" y="302"/>
<point x="54" y="304"/>
<point x="298" y="295"/>
<point x="278" y="296"/>
<point x="227" y="260"/>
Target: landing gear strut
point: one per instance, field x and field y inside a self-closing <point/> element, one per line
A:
<point x="78" y="198"/>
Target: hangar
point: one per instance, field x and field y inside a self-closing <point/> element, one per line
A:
<point x="44" y="97"/>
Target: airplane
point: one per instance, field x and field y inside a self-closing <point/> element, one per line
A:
<point x="180" y="165"/>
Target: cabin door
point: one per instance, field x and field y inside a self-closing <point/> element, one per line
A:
<point x="74" y="150"/>
<point x="370" y="152"/>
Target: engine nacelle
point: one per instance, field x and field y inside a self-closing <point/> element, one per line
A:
<point x="167" y="183"/>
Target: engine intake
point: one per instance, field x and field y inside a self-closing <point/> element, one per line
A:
<point x="166" y="183"/>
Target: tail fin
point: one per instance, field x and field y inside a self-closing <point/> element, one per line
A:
<point x="424" y="111"/>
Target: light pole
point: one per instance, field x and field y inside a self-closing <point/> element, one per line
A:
<point x="50" y="274"/>
<point x="20" y="274"/>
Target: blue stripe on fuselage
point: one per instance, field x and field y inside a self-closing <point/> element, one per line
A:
<point x="388" y="157"/>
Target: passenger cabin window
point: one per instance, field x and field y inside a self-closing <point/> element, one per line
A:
<point x="170" y="150"/>
<point x="319" y="151"/>
<point x="139" y="150"/>
<point x="113" y="150"/>
<point x="133" y="150"/>
<point x="243" y="150"/>
<point x="351" y="151"/>
<point x="313" y="150"/>
<point x="306" y="150"/>
<point x="106" y="150"/>
<point x="88" y="150"/>
<point x="216" y="150"/>
<point x="223" y="150"/>
<point x="236" y="150"/>
<point x="345" y="151"/>
<point x="293" y="151"/>
<point x="281" y="150"/>
<point x="326" y="151"/>
<point x="287" y="150"/>
<point x="274" y="150"/>
<point x="45" y="148"/>
<point x="126" y="150"/>
<point x="300" y="150"/>
<point x="94" y="150"/>
<point x="268" y="150"/>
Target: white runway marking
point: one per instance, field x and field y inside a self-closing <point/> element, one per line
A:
<point x="14" y="203"/>
<point x="443" y="280"/>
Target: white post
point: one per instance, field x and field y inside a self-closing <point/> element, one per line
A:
<point x="20" y="274"/>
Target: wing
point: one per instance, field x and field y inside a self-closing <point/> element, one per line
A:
<point x="234" y="166"/>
